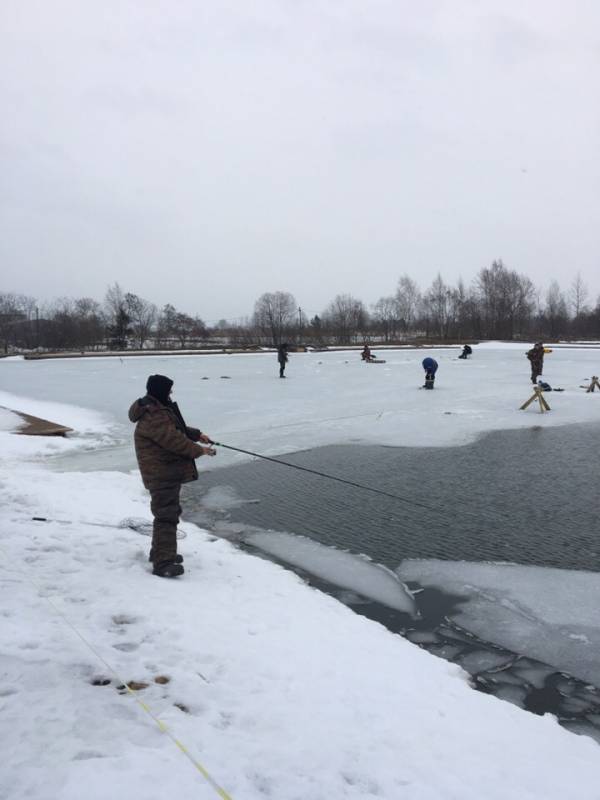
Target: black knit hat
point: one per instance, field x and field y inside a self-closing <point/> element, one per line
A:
<point x="159" y="387"/>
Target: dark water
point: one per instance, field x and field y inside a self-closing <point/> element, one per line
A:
<point x="529" y="496"/>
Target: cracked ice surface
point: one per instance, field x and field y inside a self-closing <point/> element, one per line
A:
<point x="544" y="613"/>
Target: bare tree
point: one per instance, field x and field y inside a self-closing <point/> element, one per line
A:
<point x="578" y="294"/>
<point x="437" y="302"/>
<point x="17" y="325"/>
<point x="315" y="330"/>
<point x="274" y="313"/>
<point x="386" y="317"/>
<point x="142" y="315"/>
<point x="346" y="318"/>
<point x="408" y="297"/>
<point x="118" y="320"/>
<point x="175" y="324"/>
<point x="506" y="300"/>
<point x="556" y="313"/>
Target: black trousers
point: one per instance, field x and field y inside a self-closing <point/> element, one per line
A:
<point x="536" y="371"/>
<point x="164" y="504"/>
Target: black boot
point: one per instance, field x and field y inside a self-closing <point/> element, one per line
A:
<point x="168" y="569"/>
<point x="177" y="560"/>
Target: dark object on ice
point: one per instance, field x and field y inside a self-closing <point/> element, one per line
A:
<point x="467" y="351"/>
<point x="36" y="426"/>
<point x="168" y="569"/>
<point x="282" y="357"/>
<point x="536" y="357"/>
<point x="430" y="366"/>
<point x="166" y="449"/>
<point x="369" y="357"/>
<point x="545" y="387"/>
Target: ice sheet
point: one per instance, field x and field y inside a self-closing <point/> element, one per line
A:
<point x="342" y="569"/>
<point x="547" y="614"/>
<point x="287" y="693"/>
<point x="327" y="398"/>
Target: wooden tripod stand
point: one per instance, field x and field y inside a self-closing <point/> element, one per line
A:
<point x="595" y="384"/>
<point x="539" y="395"/>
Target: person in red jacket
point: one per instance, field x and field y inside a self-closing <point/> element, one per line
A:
<point x="166" y="450"/>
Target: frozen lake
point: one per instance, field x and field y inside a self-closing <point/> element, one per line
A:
<point x="486" y="483"/>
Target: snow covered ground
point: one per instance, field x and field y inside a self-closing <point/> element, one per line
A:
<point x="272" y="687"/>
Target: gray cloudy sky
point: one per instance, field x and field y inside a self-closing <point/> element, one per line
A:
<point x="202" y="153"/>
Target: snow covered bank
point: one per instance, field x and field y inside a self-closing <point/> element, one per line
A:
<point x="277" y="689"/>
<point x="8" y="420"/>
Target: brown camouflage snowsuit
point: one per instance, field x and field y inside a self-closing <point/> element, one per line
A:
<point x="165" y="449"/>
<point x="536" y="356"/>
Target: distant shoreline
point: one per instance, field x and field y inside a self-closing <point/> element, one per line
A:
<point x="220" y="352"/>
<point x="592" y="345"/>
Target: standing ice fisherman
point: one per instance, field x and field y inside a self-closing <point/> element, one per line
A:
<point x="536" y="357"/>
<point x="430" y="366"/>
<point x="166" y="449"/>
<point x="282" y="357"/>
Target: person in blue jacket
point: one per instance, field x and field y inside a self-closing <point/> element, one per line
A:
<point x="430" y="366"/>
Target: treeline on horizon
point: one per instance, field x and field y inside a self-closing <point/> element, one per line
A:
<point x="498" y="304"/>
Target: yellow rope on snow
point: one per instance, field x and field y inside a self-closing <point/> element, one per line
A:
<point x="161" y="725"/>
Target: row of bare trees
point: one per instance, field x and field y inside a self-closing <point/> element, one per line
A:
<point x="124" y="320"/>
<point x="498" y="304"/>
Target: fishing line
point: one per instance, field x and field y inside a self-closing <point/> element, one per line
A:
<point x="430" y="508"/>
<point x="323" y="475"/>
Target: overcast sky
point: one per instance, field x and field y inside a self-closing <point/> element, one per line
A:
<point x="202" y="153"/>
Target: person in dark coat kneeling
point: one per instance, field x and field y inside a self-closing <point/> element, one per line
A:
<point x="166" y="450"/>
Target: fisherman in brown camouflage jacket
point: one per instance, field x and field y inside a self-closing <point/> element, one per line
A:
<point x="166" y="450"/>
<point x="536" y="357"/>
